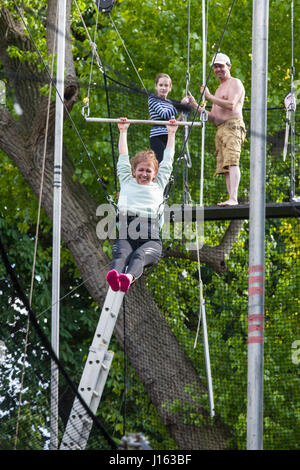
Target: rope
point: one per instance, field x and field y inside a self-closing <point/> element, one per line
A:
<point x="125" y="369"/>
<point x="203" y="93"/>
<point x="127" y="52"/>
<point x="99" y="179"/>
<point x="102" y="70"/>
<point x="204" y="39"/>
<point x="107" y="102"/>
<point x="14" y="278"/>
<point x="201" y="299"/>
<point x="71" y="291"/>
<point x="187" y="77"/>
<point x="212" y="64"/>
<point x="111" y="134"/>
<point x="94" y="49"/>
<point x="292" y="44"/>
<point x="52" y="84"/>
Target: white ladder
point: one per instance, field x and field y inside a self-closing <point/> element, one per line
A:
<point x="94" y="375"/>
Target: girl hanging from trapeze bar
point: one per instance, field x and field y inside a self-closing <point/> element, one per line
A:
<point x="140" y="206"/>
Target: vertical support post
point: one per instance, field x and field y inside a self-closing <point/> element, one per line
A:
<point x="257" y="225"/>
<point x="187" y="157"/>
<point x="57" y="183"/>
<point x="204" y="324"/>
<point x="292" y="112"/>
<point x="207" y="362"/>
<point x="203" y="81"/>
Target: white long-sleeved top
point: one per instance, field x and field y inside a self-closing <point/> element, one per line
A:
<point x="139" y="199"/>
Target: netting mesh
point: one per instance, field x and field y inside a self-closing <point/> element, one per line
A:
<point x="128" y="103"/>
<point x="157" y="384"/>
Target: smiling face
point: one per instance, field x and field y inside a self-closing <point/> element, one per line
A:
<point x="222" y="71"/>
<point x="144" y="172"/>
<point x="163" y="86"/>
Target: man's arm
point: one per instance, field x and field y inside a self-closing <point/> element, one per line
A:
<point x="193" y="103"/>
<point x="235" y="92"/>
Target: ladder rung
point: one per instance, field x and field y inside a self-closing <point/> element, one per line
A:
<point x="94" y="375"/>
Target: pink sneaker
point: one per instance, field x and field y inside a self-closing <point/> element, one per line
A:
<point x="125" y="282"/>
<point x="112" y="278"/>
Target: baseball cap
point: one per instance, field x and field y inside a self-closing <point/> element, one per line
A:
<point x="221" y="59"/>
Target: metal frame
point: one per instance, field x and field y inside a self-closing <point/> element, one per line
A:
<point x="258" y="150"/>
<point x="57" y="194"/>
<point x="241" y="211"/>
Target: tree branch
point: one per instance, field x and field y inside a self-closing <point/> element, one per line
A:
<point x="212" y="255"/>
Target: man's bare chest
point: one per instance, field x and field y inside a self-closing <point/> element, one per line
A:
<point x="223" y="91"/>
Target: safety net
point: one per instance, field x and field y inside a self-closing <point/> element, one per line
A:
<point x="156" y="390"/>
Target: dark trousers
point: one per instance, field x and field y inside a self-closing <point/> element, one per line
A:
<point x="158" y="144"/>
<point x="135" y="255"/>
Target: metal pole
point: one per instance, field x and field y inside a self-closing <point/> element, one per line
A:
<point x="57" y="182"/>
<point x="292" y="112"/>
<point x="204" y="324"/>
<point x="207" y="362"/>
<point x="187" y="82"/>
<point x="203" y="81"/>
<point x="257" y="224"/>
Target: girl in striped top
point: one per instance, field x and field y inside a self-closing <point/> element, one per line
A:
<point x="160" y="109"/>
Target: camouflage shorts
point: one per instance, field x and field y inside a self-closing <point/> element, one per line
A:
<point x="229" y="138"/>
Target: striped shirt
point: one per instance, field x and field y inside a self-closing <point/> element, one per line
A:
<point x="160" y="110"/>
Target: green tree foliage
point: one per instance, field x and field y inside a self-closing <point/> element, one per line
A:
<point x="155" y="34"/>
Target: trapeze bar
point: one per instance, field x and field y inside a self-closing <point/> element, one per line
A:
<point x="141" y="121"/>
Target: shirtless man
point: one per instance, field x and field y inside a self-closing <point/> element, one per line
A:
<point x="226" y="114"/>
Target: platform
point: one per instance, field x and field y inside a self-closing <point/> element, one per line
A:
<point x="241" y="211"/>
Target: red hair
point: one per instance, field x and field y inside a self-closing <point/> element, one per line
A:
<point x="145" y="155"/>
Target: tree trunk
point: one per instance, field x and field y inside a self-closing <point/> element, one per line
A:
<point x="167" y="373"/>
